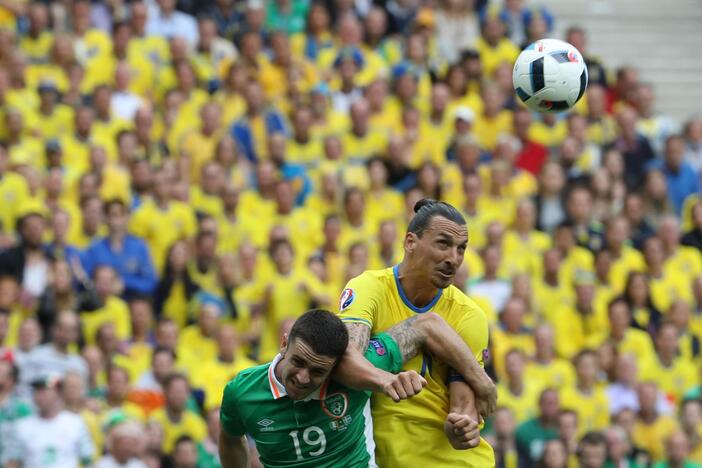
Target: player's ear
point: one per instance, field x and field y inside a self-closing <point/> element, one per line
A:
<point x="410" y="241"/>
<point x="283" y="343"/>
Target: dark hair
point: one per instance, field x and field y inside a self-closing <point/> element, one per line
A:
<point x="585" y="352"/>
<point x="162" y="349"/>
<point x="184" y="439"/>
<point x="114" y="202"/>
<point x="280" y="243"/>
<point x="615" y="301"/>
<point x="174" y="377"/>
<point x="427" y="209"/>
<point x="323" y="331"/>
<point x="591" y="438"/>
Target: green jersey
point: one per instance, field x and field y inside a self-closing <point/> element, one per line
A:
<point x="10" y="411"/>
<point x="329" y="429"/>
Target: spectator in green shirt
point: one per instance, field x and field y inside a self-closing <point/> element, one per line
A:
<point x="677" y="449"/>
<point x="531" y="435"/>
<point x="12" y="407"/>
<point x="287" y="15"/>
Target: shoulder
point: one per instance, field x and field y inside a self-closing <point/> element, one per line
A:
<point x="457" y="298"/>
<point x="371" y="277"/>
<point x="246" y="381"/>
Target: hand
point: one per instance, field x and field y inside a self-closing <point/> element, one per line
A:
<point x="462" y="431"/>
<point x="403" y="385"/>
<point x="486" y="399"/>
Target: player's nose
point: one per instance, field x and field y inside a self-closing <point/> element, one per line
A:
<point x="303" y="377"/>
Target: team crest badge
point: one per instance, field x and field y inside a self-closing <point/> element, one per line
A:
<point x="347" y="297"/>
<point x="335" y="405"/>
<point x="378" y="347"/>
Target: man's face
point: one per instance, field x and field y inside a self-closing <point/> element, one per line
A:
<point x="66" y="330"/>
<point x="45" y="398"/>
<point x="548" y="405"/>
<point x="439" y="252"/>
<point x="177" y="394"/>
<point x="33" y="231"/>
<point x="117" y="218"/>
<point x="302" y="370"/>
<point x="593" y="455"/>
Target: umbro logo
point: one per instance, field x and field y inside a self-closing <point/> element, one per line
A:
<point x="266" y="425"/>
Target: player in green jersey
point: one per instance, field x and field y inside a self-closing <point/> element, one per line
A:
<point x="299" y="417"/>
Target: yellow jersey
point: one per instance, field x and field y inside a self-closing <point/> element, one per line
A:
<point x="592" y="408"/>
<point x="558" y="373"/>
<point x="190" y="424"/>
<point x="376" y="299"/>
<point x="523" y="406"/>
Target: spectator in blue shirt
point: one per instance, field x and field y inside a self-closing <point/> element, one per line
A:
<point x="126" y="254"/>
<point x="242" y="131"/>
<point x="680" y="176"/>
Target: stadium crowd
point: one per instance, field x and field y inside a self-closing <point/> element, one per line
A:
<point x="178" y="185"/>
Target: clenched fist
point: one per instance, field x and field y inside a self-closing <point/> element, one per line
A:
<point x="462" y="431"/>
<point x="403" y="385"/>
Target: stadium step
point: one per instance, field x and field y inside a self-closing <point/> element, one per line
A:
<point x="661" y="39"/>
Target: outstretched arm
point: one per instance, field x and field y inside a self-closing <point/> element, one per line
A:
<point x="430" y="331"/>
<point x="233" y="451"/>
<point x="355" y="371"/>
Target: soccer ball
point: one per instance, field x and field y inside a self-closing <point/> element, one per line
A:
<point x="550" y="76"/>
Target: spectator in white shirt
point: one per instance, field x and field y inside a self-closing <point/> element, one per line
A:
<point x="52" y="438"/>
<point x="123" y="103"/>
<point x="125" y="443"/>
<point x="622" y="394"/>
<point x="167" y="22"/>
<point x="54" y="356"/>
<point x="496" y="290"/>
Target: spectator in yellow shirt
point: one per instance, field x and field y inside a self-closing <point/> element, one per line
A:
<point x="494" y="120"/>
<point x="493" y="47"/>
<point x="355" y="227"/>
<point x="37" y="41"/>
<point x="174" y="418"/>
<point x="510" y="333"/>
<point x="674" y="374"/>
<point x="651" y="428"/>
<point x="637" y="293"/>
<point x="579" y="320"/>
<point x="666" y="284"/>
<point x="198" y="145"/>
<point x="585" y="398"/>
<point x="288" y="292"/>
<point x="516" y="393"/>
<point x="117" y="392"/>
<point x="111" y="309"/>
<point x="691" y="422"/>
<point x="211" y="375"/>
<point x="545" y="367"/>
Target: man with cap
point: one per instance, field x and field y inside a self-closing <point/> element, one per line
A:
<point x="53" y="437"/>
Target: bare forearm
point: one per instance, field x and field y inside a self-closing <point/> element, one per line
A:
<point x="233" y="451"/>
<point x="462" y="400"/>
<point x="443" y="342"/>
<point x="355" y="371"/>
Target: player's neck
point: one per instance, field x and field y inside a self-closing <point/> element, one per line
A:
<point x="419" y="291"/>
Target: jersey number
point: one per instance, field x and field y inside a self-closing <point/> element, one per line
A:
<point x="312" y="436"/>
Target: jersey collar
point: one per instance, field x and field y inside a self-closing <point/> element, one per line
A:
<point x="278" y="389"/>
<point x="405" y="299"/>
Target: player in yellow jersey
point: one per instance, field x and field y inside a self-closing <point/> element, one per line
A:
<point x="419" y="433"/>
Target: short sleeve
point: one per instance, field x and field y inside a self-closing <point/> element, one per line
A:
<point x="360" y="299"/>
<point x="229" y="413"/>
<point x="384" y="353"/>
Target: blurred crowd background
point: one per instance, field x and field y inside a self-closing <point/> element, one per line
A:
<point x="180" y="180"/>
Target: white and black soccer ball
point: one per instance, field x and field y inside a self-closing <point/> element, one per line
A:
<point x="550" y="76"/>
